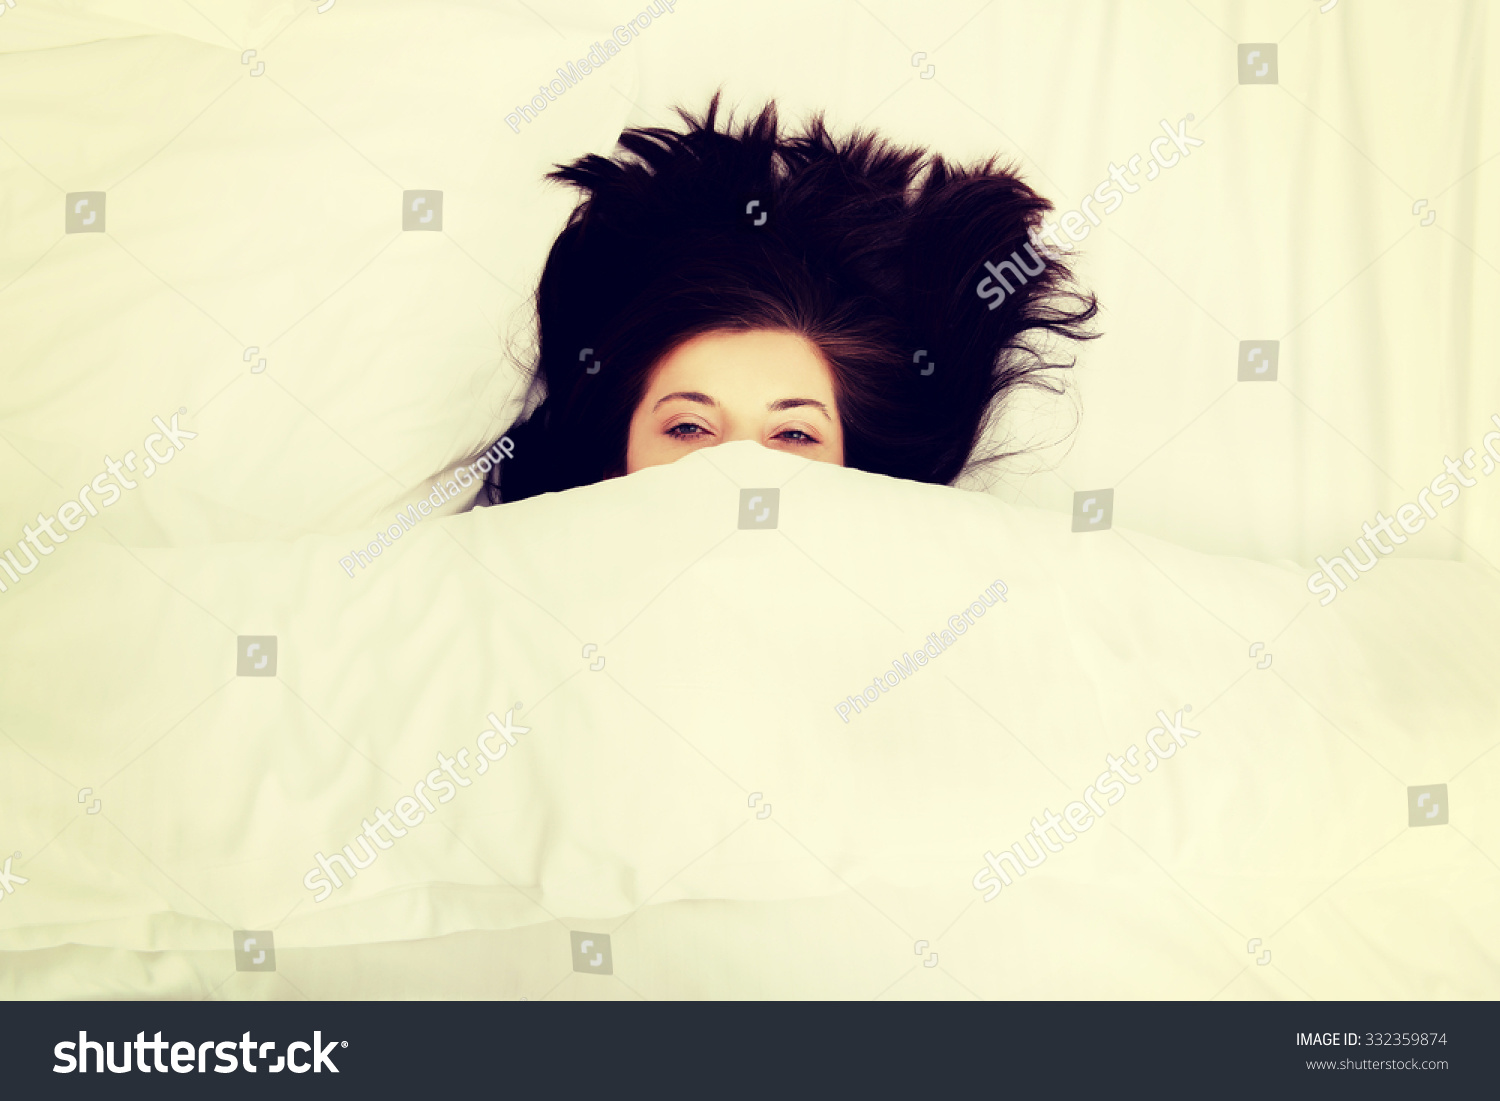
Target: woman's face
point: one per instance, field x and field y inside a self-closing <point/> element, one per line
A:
<point x="769" y="386"/>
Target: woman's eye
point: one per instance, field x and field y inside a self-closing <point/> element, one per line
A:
<point x="687" y="428"/>
<point x="796" y="435"/>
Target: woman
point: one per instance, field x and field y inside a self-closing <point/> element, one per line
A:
<point x="838" y="299"/>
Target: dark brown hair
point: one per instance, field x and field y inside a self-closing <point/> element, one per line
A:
<point x="873" y="252"/>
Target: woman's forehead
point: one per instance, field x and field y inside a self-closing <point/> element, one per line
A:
<point x="750" y="365"/>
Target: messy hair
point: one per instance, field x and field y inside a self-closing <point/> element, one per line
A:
<point x="873" y="252"/>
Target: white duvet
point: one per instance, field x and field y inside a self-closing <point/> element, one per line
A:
<point x="647" y="700"/>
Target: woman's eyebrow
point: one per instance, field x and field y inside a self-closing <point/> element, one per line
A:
<point x="795" y="403"/>
<point x="686" y="395"/>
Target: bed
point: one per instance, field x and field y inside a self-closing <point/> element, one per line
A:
<point x="744" y="726"/>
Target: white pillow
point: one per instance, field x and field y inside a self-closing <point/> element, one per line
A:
<point x="265" y="211"/>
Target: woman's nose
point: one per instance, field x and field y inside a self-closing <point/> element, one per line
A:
<point x="738" y="431"/>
